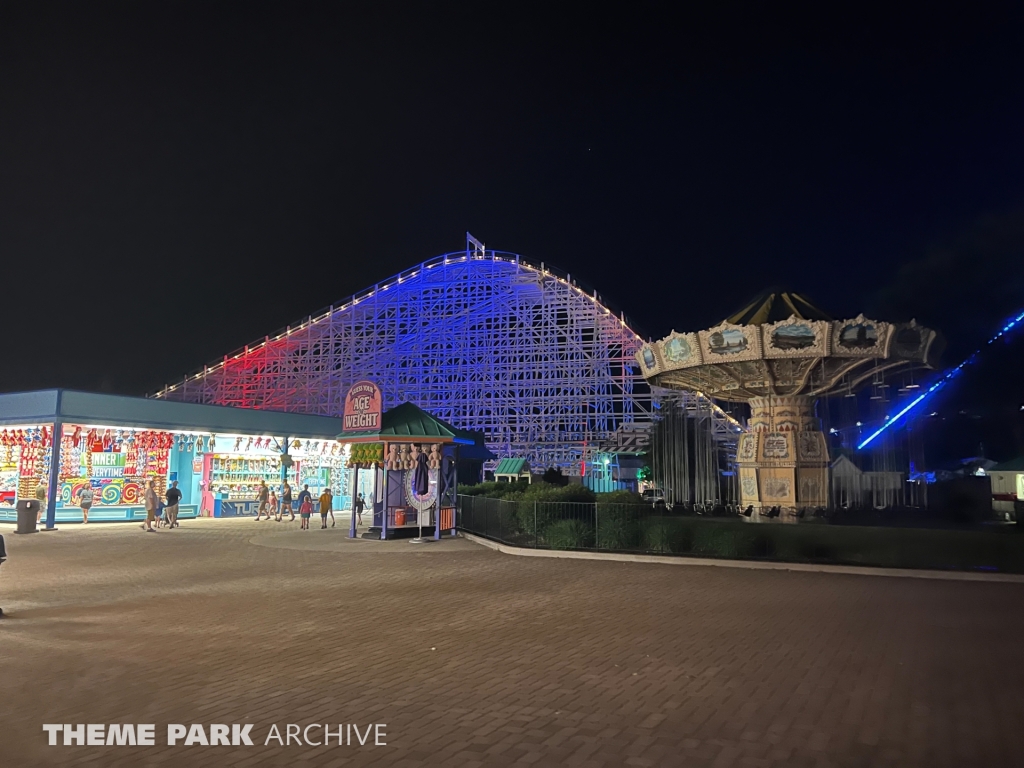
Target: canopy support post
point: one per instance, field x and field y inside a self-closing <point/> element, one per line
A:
<point x="355" y="495"/>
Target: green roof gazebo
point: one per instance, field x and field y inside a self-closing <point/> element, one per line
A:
<point x="413" y="455"/>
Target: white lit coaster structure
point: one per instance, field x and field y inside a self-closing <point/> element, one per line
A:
<point x="780" y="354"/>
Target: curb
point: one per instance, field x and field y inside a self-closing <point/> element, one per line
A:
<point x="853" y="570"/>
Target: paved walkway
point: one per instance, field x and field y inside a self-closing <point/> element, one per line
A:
<point x="475" y="658"/>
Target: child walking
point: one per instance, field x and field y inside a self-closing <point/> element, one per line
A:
<point x="305" y="510"/>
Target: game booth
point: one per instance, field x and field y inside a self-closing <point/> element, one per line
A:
<point x="410" y="459"/>
<point x="114" y="445"/>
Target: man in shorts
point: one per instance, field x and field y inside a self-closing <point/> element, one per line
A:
<point x="262" y="498"/>
<point x="40" y="501"/>
<point x="286" y="502"/>
<point x="151" y="502"/>
<point x="173" y="497"/>
<point x="325" y="508"/>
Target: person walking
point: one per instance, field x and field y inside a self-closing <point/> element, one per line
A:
<point x="273" y="506"/>
<point x="262" y="497"/>
<point x="305" y="494"/>
<point x="173" y="497"/>
<point x="325" y="508"/>
<point x="151" y="502"/>
<point x="286" y="502"/>
<point x="360" y="503"/>
<point x="85" y="499"/>
<point x="40" y="500"/>
<point x="305" y="511"/>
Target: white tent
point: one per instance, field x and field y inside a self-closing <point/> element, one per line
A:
<point x="851" y="486"/>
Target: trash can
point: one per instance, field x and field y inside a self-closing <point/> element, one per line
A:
<point x="28" y="510"/>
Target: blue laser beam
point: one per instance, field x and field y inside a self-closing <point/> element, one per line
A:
<point x="1010" y="325"/>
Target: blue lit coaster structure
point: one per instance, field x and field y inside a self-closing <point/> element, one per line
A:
<point x="779" y="354"/>
<point x="480" y="338"/>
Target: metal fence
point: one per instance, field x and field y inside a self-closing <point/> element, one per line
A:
<point x="563" y="525"/>
<point x="618" y="527"/>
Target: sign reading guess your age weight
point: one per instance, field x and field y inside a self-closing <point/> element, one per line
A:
<point x="363" y="407"/>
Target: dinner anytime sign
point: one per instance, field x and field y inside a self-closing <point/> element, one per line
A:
<point x="363" y="407"/>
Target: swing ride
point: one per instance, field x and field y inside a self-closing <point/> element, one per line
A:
<point x="779" y="355"/>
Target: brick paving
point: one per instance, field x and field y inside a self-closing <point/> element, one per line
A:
<point x="475" y="658"/>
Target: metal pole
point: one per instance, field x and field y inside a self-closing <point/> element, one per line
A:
<point x="51" y="490"/>
<point x="355" y="491"/>
<point x="442" y="490"/>
<point x="284" y="469"/>
<point x="384" y="519"/>
<point x="455" y="494"/>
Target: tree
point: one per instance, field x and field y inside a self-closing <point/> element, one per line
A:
<point x="554" y="476"/>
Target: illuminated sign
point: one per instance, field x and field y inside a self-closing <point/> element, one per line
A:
<point x="363" y="408"/>
<point x="108" y="465"/>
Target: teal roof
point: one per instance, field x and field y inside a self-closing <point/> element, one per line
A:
<point x="46" y="405"/>
<point x="410" y="422"/>
<point x="512" y="467"/>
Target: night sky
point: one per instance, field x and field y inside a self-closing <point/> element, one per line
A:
<point x="176" y="180"/>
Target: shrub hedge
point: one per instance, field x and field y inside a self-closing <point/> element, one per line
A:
<point x="544" y="515"/>
<point x="997" y="550"/>
<point x="569" y="534"/>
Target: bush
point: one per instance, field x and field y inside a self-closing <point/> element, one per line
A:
<point x="541" y="504"/>
<point x="619" y="497"/>
<point x="715" y="540"/>
<point x="760" y="545"/>
<point x="562" y="493"/>
<point x="665" y="534"/>
<point x="618" y="514"/>
<point x="494" y="490"/>
<point x="554" y="476"/>
<point x="569" y="534"/>
<point x="617" y="532"/>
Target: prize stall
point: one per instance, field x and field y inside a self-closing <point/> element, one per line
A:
<point x="410" y="458"/>
<point x="116" y="445"/>
<point x="231" y="468"/>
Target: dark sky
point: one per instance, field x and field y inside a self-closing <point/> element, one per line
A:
<point x="178" y="180"/>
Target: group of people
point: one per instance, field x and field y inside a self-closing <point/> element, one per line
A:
<point x="269" y="505"/>
<point x="86" y="497"/>
<point x="165" y="514"/>
<point x="161" y="515"/>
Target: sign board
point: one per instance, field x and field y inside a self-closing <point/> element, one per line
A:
<point x="629" y="438"/>
<point x="108" y="465"/>
<point x="363" y="408"/>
